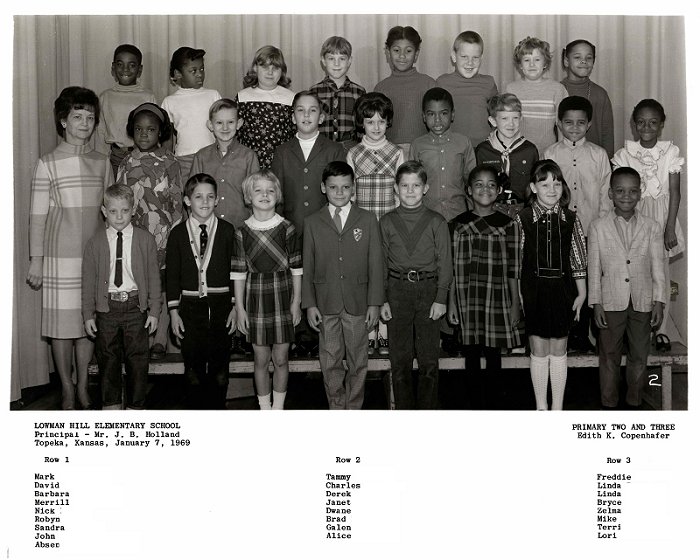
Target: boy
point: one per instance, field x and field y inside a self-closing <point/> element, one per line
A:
<point x="471" y="91"/>
<point x="200" y="292"/>
<point x="586" y="169"/>
<point x="344" y="285"/>
<point x="418" y="256"/>
<point x="507" y="149"/>
<point x="118" y="101"/>
<point x="626" y="286"/>
<point x="405" y="87"/>
<point x="337" y="93"/>
<point x="299" y="165"/>
<point x="121" y="299"/>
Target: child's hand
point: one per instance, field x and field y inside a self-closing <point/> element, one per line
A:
<point x="599" y="316"/>
<point x="314" y="317"/>
<point x="242" y="321"/>
<point x="91" y="328"/>
<point x="578" y="304"/>
<point x="657" y="314"/>
<point x="176" y="324"/>
<point x="437" y="310"/>
<point x="151" y="324"/>
<point x="35" y="275"/>
<point x="296" y="313"/>
<point x="385" y="313"/>
<point x="670" y="240"/>
<point x="231" y="321"/>
<point x="452" y="313"/>
<point x="372" y="317"/>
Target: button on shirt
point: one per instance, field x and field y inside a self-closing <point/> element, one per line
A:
<point x="128" y="282"/>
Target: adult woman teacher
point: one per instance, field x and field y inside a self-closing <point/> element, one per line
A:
<point x="67" y="191"/>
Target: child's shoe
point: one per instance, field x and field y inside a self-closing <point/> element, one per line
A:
<point x="372" y="345"/>
<point x="237" y="346"/>
<point x="382" y="345"/>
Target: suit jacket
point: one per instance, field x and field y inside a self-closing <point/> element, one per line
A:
<point x="343" y="270"/>
<point x="300" y="179"/>
<point x="616" y="274"/>
<point x="144" y="267"/>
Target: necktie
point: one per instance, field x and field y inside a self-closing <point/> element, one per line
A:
<point x="337" y="221"/>
<point x="203" y="238"/>
<point x="118" y="262"/>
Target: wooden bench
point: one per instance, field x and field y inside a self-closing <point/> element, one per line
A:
<point x="172" y="364"/>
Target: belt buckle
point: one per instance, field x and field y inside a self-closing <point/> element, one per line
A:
<point x="120" y="296"/>
<point x="415" y="276"/>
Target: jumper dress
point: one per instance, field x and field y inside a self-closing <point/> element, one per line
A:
<point x="375" y="172"/>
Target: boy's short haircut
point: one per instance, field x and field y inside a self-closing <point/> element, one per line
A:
<point x="223" y="103"/>
<point x="369" y="104"/>
<point x="471" y="37"/>
<point x="306" y="93"/>
<point x="575" y="103"/>
<point x="411" y="166"/>
<point x="541" y="170"/>
<point x="193" y="181"/>
<point x="481" y="168"/>
<point x="438" y="94"/>
<point x="336" y="45"/>
<point x="118" y="191"/>
<point x="131" y="49"/>
<point x="166" y="128"/>
<point x="74" y="97"/>
<point x="527" y="46"/>
<point x="338" y="169"/>
<point x="397" y="33"/>
<point x="504" y="102"/>
<point x="625" y="172"/>
<point x="182" y="56"/>
<point x="250" y="180"/>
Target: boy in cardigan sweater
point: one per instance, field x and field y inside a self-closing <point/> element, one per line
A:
<point x="200" y="293"/>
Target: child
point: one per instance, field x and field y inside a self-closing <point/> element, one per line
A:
<point x="447" y="156"/>
<point x="418" y="256"/>
<point x="553" y="261"/>
<point x="199" y="285"/>
<point x="343" y="286"/>
<point x="228" y="161"/>
<point x="267" y="271"/>
<point x="627" y="286"/>
<point x="117" y="101"/>
<point x="470" y="90"/>
<point x="375" y="162"/>
<point x="508" y="150"/>
<point x="586" y="170"/>
<point x="539" y="96"/>
<point x="484" y="299"/>
<point x="121" y="299"/>
<point x="337" y="93"/>
<point x="405" y="87"/>
<point x="578" y="58"/>
<point x="658" y="163"/>
<point x="153" y="173"/>
<point x="265" y="105"/>
<point x="188" y="107"/>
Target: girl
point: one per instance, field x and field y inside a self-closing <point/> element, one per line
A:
<point x="539" y="96"/>
<point x="265" y="105"/>
<point x="188" y="107"/>
<point x="578" y="58"/>
<point x="659" y="165"/>
<point x="153" y="173"/>
<point x="486" y="262"/>
<point x="553" y="260"/>
<point x="67" y="191"/>
<point x="267" y="273"/>
<point x="375" y="162"/>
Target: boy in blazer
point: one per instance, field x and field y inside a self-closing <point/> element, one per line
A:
<point x="121" y="299"/>
<point x="626" y="286"/>
<point x="343" y="286"/>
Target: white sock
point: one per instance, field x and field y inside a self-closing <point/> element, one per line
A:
<point x="539" y="372"/>
<point x="278" y="400"/>
<point x="557" y="371"/>
<point x="264" y="402"/>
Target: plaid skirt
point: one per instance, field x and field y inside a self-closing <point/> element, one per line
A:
<point x="268" y="303"/>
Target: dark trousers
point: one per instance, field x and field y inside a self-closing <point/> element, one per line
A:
<point x="410" y="304"/>
<point x="638" y="328"/>
<point x="205" y="350"/>
<point x="121" y="332"/>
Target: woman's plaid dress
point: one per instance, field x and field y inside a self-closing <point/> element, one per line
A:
<point x="268" y="252"/>
<point x="375" y="172"/>
<point x="485" y="254"/>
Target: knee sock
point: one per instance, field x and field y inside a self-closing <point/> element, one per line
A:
<point x="264" y="402"/>
<point x="539" y="371"/>
<point x="557" y="371"/>
<point x="278" y="400"/>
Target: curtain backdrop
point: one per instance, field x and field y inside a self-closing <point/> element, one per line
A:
<point x="637" y="57"/>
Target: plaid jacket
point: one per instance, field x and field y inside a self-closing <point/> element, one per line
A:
<point x="338" y="104"/>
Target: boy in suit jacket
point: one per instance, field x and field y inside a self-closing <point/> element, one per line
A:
<point x="121" y="299"/>
<point x="626" y="286"/>
<point x="343" y="286"/>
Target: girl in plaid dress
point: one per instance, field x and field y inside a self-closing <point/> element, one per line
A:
<point x="267" y="273"/>
<point x="375" y="162"/>
<point x="484" y="298"/>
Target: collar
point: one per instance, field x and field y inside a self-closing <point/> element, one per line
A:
<point x="410" y="72"/>
<point x="495" y="140"/>
<point x="656" y="151"/>
<point x="268" y="224"/>
<point x="195" y="223"/>
<point x="538" y="210"/>
<point x="307" y="140"/>
<point x="136" y="87"/>
<point x="344" y="210"/>
<point x="127" y="232"/>
<point x="374" y="145"/>
<point x="67" y="148"/>
<point x="569" y="144"/>
<point x="159" y="152"/>
<point x="232" y="146"/>
<point x="445" y="137"/>
<point x="616" y="215"/>
<point x="330" y="83"/>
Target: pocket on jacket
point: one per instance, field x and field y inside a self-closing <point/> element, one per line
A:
<point x="321" y="280"/>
